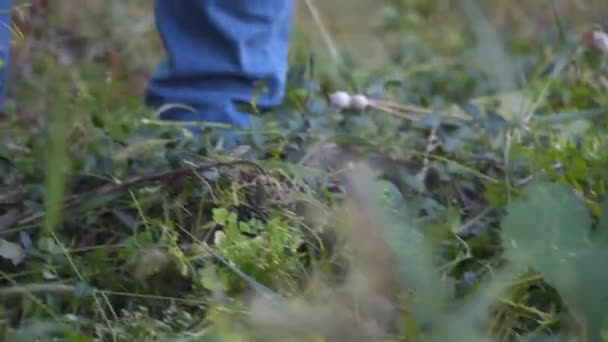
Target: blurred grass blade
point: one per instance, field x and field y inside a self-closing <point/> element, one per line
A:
<point x="558" y="21"/>
<point x="412" y="253"/>
<point x="470" y="312"/>
<point x="57" y="163"/>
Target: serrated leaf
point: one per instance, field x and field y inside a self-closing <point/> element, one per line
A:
<point x="209" y="278"/>
<point x="244" y="228"/>
<point x="220" y="215"/>
<point x="232" y="219"/>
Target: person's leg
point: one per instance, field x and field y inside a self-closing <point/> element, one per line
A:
<point x="5" y="43"/>
<point x="218" y="51"/>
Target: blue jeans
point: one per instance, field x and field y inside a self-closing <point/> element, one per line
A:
<point x="5" y="40"/>
<point x="220" y="54"/>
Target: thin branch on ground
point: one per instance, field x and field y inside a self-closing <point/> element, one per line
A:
<point x="136" y="182"/>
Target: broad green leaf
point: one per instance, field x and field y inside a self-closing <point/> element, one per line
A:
<point x="589" y="294"/>
<point x="547" y="229"/>
<point x="601" y="231"/>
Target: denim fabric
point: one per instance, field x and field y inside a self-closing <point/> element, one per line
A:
<point x="218" y="54"/>
<point x="5" y="40"/>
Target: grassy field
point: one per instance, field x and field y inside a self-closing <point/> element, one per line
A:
<point x="467" y="203"/>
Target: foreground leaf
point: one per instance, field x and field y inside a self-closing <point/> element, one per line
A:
<point x="547" y="229"/>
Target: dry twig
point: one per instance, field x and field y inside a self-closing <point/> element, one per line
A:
<point x="135" y="182"/>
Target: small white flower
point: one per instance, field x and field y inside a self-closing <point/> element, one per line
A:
<point x="340" y="99"/>
<point x="359" y="102"/>
<point x="599" y="40"/>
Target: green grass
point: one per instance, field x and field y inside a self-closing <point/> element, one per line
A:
<point x="483" y="219"/>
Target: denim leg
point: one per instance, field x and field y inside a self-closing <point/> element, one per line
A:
<point x="5" y="40"/>
<point x="218" y="52"/>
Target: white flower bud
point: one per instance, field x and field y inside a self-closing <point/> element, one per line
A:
<point x="599" y="40"/>
<point x="218" y="236"/>
<point x="340" y="99"/>
<point x="359" y="102"/>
